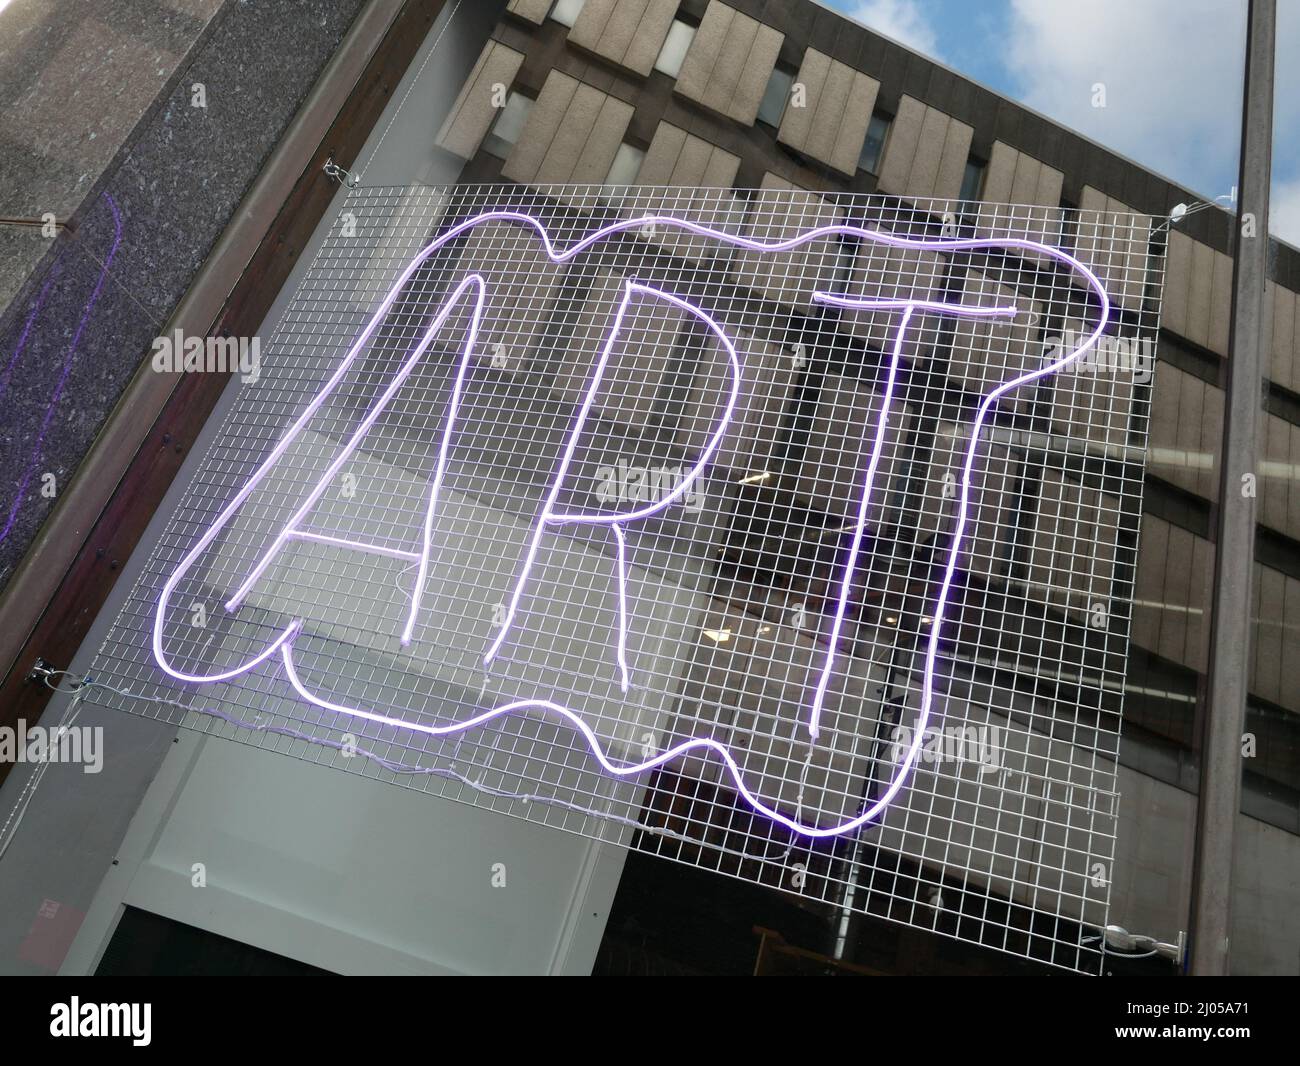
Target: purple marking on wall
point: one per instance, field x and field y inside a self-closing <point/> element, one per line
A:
<point x="284" y="641"/>
<point x="27" y="326"/>
<point x="30" y="468"/>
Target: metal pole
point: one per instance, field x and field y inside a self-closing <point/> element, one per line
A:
<point x="1229" y="671"/>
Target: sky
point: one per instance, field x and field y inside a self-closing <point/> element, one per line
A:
<point x="1171" y="71"/>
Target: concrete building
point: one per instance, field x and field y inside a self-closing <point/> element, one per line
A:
<point x="759" y="95"/>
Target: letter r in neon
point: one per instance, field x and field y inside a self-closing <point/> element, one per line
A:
<point x="549" y="518"/>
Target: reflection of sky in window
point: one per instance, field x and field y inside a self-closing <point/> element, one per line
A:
<point x="680" y="36"/>
<point x="1171" y="71"/>
<point x="567" y="11"/>
<point x="626" y="165"/>
<point x="508" y="126"/>
<point x="775" y="97"/>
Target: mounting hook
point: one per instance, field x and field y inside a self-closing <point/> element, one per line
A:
<point x="41" y="672"/>
<point x="1181" y="211"/>
<point x="333" y="170"/>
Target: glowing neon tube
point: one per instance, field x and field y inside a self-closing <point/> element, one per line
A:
<point x="283" y="643"/>
<point x="548" y="516"/>
<point x="474" y="281"/>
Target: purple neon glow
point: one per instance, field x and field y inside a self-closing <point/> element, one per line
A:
<point x="66" y="369"/>
<point x="27" y="327"/>
<point x="548" y="515"/>
<point x="864" y="502"/>
<point x="283" y="643"/>
<point x="869" y="480"/>
<point x="621" y="547"/>
<point x="354" y="545"/>
<point x="449" y="423"/>
<point x="558" y="710"/>
<point x="474" y="281"/>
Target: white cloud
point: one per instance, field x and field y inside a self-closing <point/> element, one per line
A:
<point x="1284" y="211"/>
<point x="900" y="19"/>
<point x="1171" y="73"/>
<point x="1170" y="70"/>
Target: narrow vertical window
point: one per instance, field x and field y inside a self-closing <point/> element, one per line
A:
<point x="972" y="181"/>
<point x="777" y="95"/>
<point x="873" y="145"/>
<point x="508" y="125"/>
<point x="626" y="165"/>
<point x="566" y="12"/>
<point x="680" y="36"/>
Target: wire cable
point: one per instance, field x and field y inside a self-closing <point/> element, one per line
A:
<point x="83" y="684"/>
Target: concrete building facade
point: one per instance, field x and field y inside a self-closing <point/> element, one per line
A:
<point x="757" y="95"/>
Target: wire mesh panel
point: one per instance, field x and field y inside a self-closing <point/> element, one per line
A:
<point x="790" y="535"/>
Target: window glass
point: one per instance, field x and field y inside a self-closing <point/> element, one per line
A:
<point x="626" y="165"/>
<point x="680" y="36"/>
<point x="1069" y="238"/>
<point x="873" y="145"/>
<point x="566" y="12"/>
<point x="972" y="182"/>
<point x="776" y="96"/>
<point x="508" y="125"/>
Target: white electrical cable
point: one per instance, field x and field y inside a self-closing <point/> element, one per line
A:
<point x="1121" y="943"/>
<point x="15" y="818"/>
<point x="402" y="103"/>
<point x="10" y="829"/>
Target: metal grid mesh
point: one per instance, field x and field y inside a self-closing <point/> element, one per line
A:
<point x="714" y="616"/>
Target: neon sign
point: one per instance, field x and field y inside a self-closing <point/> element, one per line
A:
<point x="472" y="290"/>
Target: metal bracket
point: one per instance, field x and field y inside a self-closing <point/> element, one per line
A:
<point x="1181" y="211"/>
<point x="41" y="672"/>
<point x="344" y="177"/>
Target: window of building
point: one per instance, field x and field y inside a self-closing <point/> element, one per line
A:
<point x="777" y="95"/>
<point x="508" y="126"/>
<point x="1069" y="239"/>
<point x="566" y="12"/>
<point x="873" y="144"/>
<point x="680" y="35"/>
<point x="972" y="181"/>
<point x="626" y="165"/>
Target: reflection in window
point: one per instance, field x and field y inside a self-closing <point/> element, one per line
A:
<point x="508" y="125"/>
<point x="972" y="181"/>
<point x="1069" y="239"/>
<point x="680" y="36"/>
<point x="776" y="96"/>
<point x="873" y="145"/>
<point x="626" y="165"/>
<point x="566" y="12"/>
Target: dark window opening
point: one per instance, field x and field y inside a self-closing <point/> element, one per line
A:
<point x="873" y="145"/>
<point x="776" y="97"/>
<point x="972" y="181"/>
